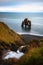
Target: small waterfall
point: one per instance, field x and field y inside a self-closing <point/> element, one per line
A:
<point x="13" y="54"/>
<point x="20" y="48"/>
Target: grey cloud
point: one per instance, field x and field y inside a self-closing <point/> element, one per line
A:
<point x="21" y="0"/>
<point x="1" y="1"/>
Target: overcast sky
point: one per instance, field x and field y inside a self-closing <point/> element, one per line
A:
<point x="19" y="0"/>
<point x="13" y="2"/>
<point x="21" y="5"/>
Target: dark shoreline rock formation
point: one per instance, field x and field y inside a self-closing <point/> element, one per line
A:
<point x="26" y="23"/>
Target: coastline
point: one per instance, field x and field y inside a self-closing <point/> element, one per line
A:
<point x="28" y="37"/>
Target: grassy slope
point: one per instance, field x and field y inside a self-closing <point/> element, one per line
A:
<point x="9" y="36"/>
<point x="34" y="56"/>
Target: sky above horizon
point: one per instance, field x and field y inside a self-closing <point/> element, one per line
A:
<point x="21" y="5"/>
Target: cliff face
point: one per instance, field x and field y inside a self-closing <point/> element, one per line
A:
<point x="8" y="37"/>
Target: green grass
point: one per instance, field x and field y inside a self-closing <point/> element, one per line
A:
<point x="9" y="36"/>
<point x="33" y="57"/>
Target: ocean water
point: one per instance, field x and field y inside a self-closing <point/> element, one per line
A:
<point x="14" y="21"/>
